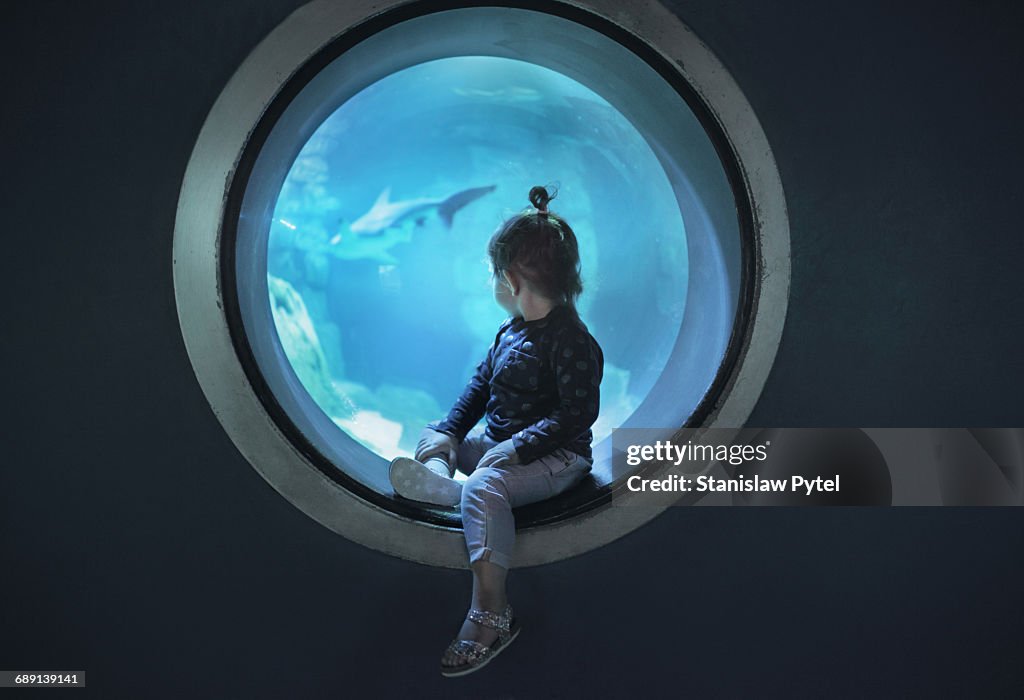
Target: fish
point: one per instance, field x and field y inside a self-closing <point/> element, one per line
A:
<point x="385" y="214"/>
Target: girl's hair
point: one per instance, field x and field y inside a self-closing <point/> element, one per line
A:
<point x="541" y="247"/>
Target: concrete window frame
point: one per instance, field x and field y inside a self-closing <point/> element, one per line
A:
<point x="209" y="199"/>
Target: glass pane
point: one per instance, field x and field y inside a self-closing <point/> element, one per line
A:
<point x="376" y="256"/>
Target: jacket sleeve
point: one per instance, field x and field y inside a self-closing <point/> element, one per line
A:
<point x="578" y="367"/>
<point x="469" y="408"/>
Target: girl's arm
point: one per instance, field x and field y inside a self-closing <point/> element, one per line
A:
<point x="578" y="365"/>
<point x="470" y="407"/>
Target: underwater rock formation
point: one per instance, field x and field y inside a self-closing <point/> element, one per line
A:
<point x="302" y="347"/>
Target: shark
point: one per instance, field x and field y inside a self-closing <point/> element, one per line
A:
<point x="385" y="214"/>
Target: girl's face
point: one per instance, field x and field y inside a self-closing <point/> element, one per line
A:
<point x="503" y="293"/>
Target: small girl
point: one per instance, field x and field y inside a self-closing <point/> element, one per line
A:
<point x="539" y="388"/>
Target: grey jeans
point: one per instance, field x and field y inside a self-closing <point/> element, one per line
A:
<point x="490" y="494"/>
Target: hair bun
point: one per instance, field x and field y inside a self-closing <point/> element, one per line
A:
<point x="539" y="198"/>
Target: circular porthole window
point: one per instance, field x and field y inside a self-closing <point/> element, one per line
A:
<point x="330" y="264"/>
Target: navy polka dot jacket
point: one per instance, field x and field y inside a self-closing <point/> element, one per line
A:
<point x="538" y="386"/>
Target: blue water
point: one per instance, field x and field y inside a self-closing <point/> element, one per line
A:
<point x="384" y="324"/>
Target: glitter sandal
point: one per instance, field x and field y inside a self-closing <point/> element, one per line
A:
<point x="471" y="655"/>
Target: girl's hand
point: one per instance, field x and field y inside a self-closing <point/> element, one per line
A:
<point x="433" y="443"/>
<point x="502" y="452"/>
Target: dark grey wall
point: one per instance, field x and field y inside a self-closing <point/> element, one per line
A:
<point x="138" y="545"/>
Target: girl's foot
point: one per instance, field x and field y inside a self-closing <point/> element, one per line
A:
<point x="472" y="631"/>
<point x="483" y="635"/>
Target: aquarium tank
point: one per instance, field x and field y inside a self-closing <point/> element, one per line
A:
<point x="376" y="265"/>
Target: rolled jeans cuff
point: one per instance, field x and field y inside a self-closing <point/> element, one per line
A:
<point x="491" y="555"/>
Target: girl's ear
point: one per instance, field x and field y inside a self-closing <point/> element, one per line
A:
<point x="512" y="280"/>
